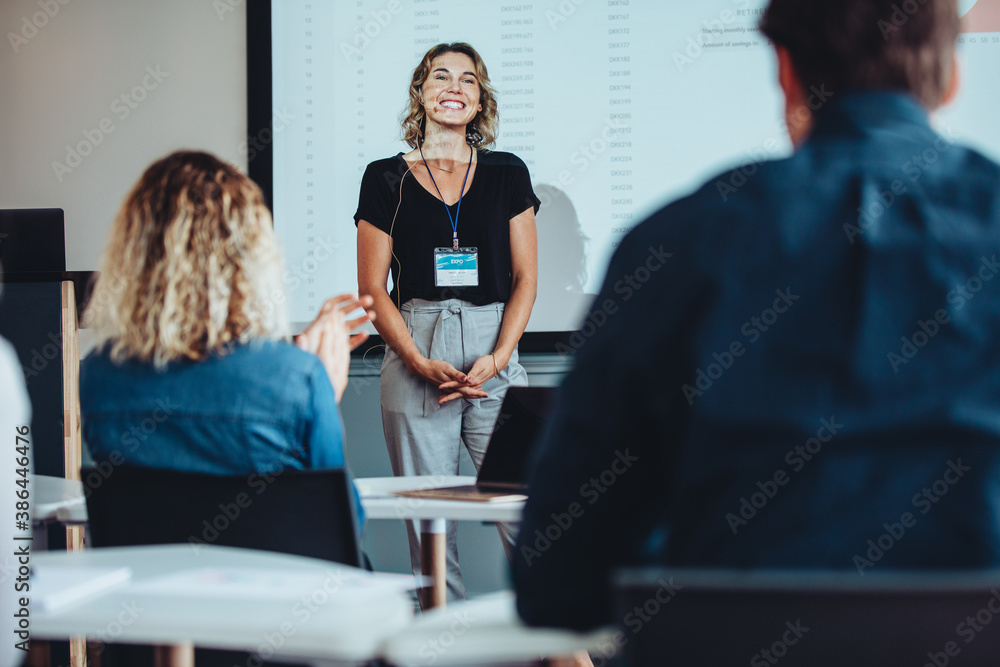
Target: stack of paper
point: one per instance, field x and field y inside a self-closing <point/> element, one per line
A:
<point x="54" y="588"/>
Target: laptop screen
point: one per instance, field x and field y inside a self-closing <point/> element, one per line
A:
<point x="520" y="423"/>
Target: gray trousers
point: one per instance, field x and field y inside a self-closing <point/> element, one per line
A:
<point x="424" y="438"/>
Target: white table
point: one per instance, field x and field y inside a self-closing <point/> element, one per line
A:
<point x="487" y="629"/>
<point x="62" y="500"/>
<point x="320" y="618"/>
<point x="379" y="503"/>
<point x="57" y="499"/>
<point x="484" y="631"/>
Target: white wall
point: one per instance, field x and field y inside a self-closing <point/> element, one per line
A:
<point x="70" y="75"/>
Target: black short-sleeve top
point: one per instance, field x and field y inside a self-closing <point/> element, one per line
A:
<point x="500" y="190"/>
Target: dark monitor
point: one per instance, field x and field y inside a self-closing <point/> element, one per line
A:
<point x="32" y="241"/>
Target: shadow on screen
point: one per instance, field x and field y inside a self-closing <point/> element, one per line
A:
<point x="562" y="260"/>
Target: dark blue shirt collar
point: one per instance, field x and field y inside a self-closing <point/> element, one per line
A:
<point x="870" y="110"/>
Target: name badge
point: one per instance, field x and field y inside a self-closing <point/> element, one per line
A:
<point x="456" y="268"/>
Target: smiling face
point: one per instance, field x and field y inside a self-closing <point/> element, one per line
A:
<point x="451" y="95"/>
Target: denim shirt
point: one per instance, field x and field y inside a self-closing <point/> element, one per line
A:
<point x="261" y="407"/>
<point x="789" y="361"/>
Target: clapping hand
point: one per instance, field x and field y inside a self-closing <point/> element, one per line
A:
<point x="331" y="336"/>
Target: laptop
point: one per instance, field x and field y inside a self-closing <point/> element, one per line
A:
<point x="502" y="475"/>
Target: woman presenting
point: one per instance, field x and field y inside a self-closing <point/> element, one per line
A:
<point x="454" y="224"/>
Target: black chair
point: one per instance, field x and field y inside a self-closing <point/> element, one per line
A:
<point x="725" y="617"/>
<point x="299" y="512"/>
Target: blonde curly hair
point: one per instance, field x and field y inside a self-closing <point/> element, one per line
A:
<point x="482" y="131"/>
<point x="192" y="265"/>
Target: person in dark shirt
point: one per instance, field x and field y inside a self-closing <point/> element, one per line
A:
<point x="454" y="224"/>
<point x="800" y="365"/>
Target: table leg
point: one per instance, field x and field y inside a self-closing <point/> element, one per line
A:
<point x="78" y="652"/>
<point x="433" y="553"/>
<point x="77" y="645"/>
<point x="179" y="655"/>
<point x="39" y="654"/>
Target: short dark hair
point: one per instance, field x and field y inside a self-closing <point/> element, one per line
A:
<point x="869" y="44"/>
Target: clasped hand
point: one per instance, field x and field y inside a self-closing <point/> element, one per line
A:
<point x="453" y="383"/>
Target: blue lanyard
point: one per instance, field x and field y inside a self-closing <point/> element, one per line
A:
<point x="458" y="211"/>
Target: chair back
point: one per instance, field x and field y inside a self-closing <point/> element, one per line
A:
<point x="300" y="512"/>
<point x="687" y="617"/>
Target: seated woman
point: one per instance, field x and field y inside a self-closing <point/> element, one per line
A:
<point x="192" y="370"/>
